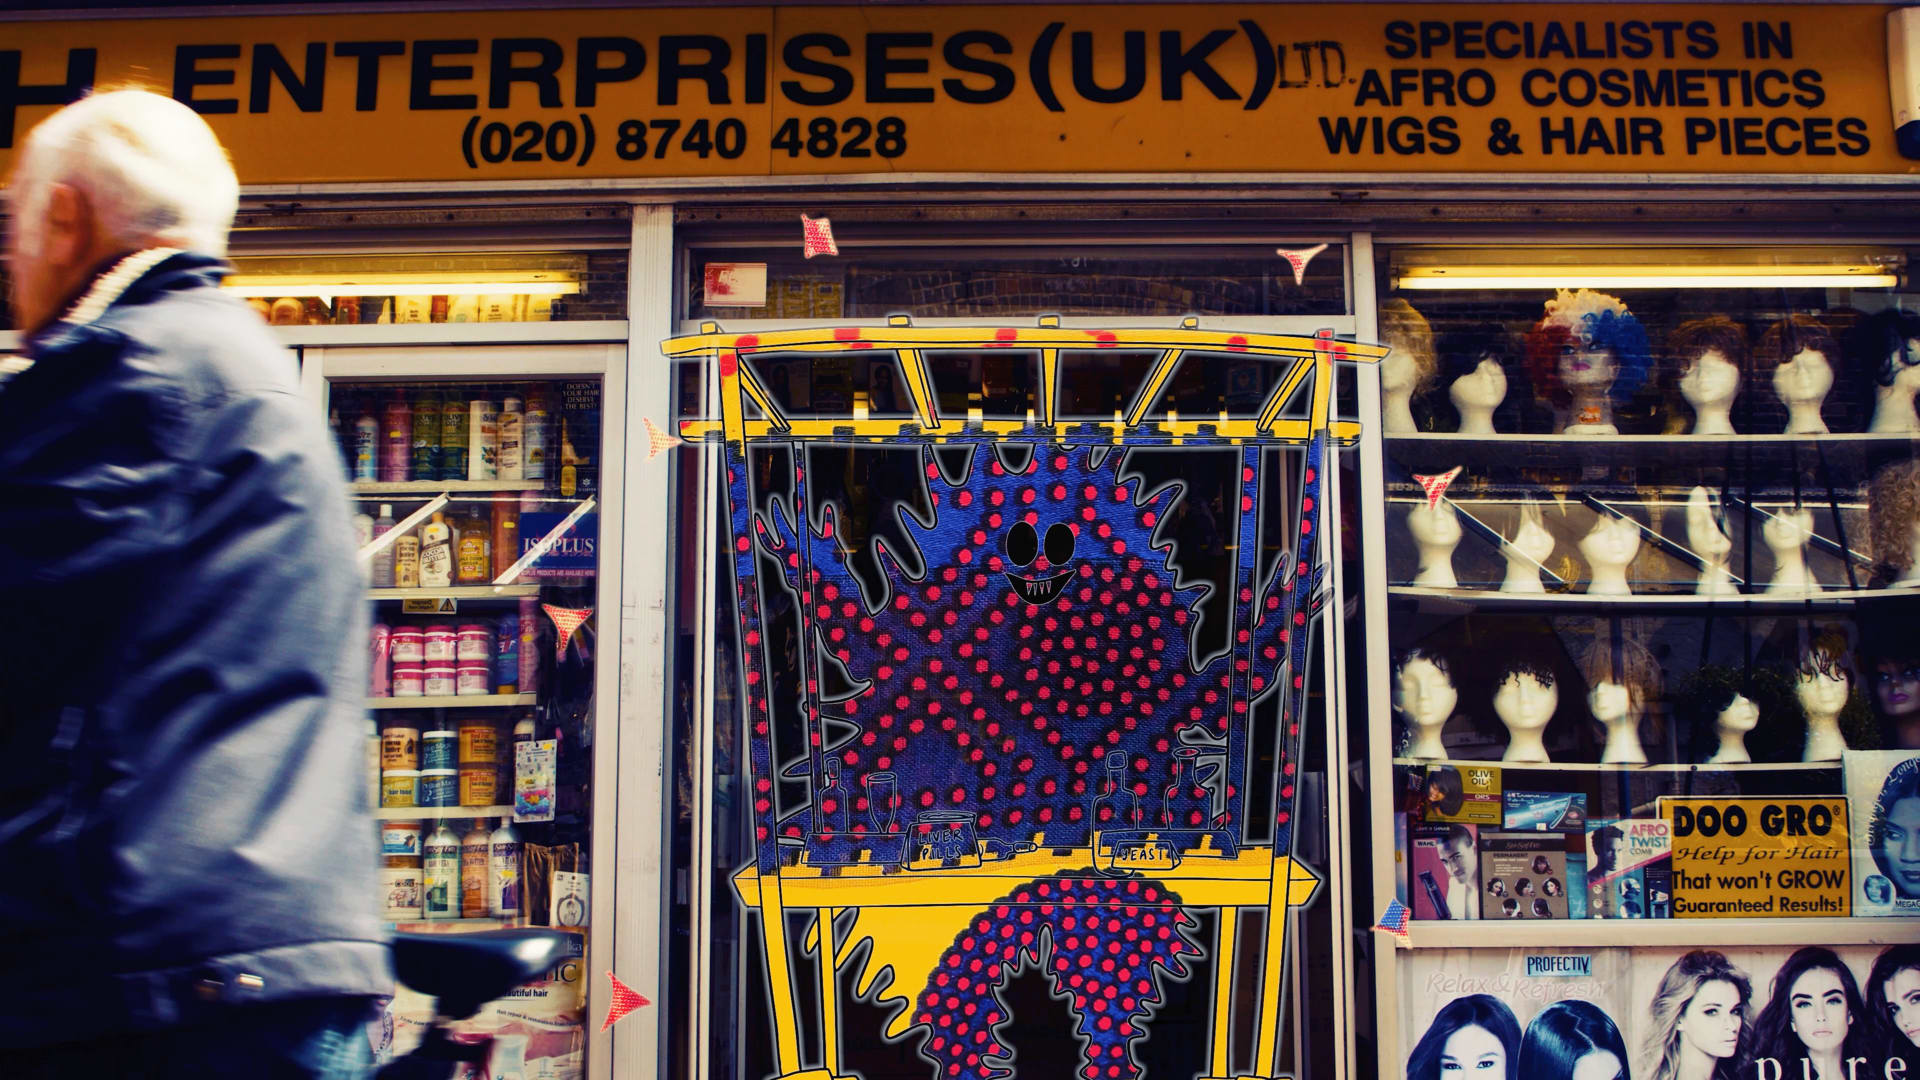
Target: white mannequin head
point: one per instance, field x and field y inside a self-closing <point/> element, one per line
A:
<point x="1823" y="682"/>
<point x="1622" y="677"/>
<point x="1424" y="693"/>
<point x="1705" y="536"/>
<point x="1437" y="524"/>
<point x="1739" y="717"/>
<point x="1524" y="698"/>
<point x="1609" y="548"/>
<point x="1711" y="380"/>
<point x="1788" y="529"/>
<point x="1527" y="551"/>
<point x="1587" y="367"/>
<point x="1484" y="387"/>
<point x="1803" y="379"/>
<point x="1822" y="692"/>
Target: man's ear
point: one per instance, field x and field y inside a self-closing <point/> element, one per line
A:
<point x="67" y="232"/>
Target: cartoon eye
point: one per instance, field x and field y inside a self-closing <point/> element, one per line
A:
<point x="1023" y="545"/>
<point x="1059" y="544"/>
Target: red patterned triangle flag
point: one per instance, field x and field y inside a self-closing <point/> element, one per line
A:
<point x="566" y="621"/>
<point x="658" y="442"/>
<point x="816" y="237"/>
<point x="1298" y="258"/>
<point x="625" y="1000"/>
<point x="1436" y="485"/>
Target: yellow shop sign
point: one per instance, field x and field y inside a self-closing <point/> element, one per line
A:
<point x="1076" y="89"/>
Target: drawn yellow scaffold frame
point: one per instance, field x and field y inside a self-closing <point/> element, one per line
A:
<point x="1255" y="877"/>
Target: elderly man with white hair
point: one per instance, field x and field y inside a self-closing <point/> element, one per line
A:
<point x="190" y="884"/>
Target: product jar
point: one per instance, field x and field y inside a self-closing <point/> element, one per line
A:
<point x="402" y="889"/>
<point x="478" y="785"/>
<point x="409" y="680"/>
<point x="407" y="645"/>
<point x="472" y="679"/>
<point x="473" y="642"/>
<point x="439" y="749"/>
<point x="441" y="643"/>
<point x="479" y="743"/>
<point x="400" y="788"/>
<point x="439" y="787"/>
<point x="400" y="840"/>
<point x="400" y="748"/>
<point x="438" y="680"/>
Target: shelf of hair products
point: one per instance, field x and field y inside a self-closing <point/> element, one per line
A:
<point x="1653" y="567"/>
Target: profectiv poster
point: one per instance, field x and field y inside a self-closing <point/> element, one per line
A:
<point x="1762" y="1013"/>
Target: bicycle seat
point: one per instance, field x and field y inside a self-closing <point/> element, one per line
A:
<point x="465" y="971"/>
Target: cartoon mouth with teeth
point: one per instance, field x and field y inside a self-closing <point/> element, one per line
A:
<point x="1023" y="545"/>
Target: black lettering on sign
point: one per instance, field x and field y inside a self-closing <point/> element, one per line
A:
<point x="80" y="68"/>
<point x="1403" y="135"/>
<point x="1632" y="135"/>
<point x="543" y="73"/>
<point x="1133" y="76"/>
<point x="1176" y="65"/>
<point x="367" y="54"/>
<point x="426" y="72"/>
<point x="756" y="69"/>
<point x="956" y="56"/>
<point x="839" y="80"/>
<point x="712" y="70"/>
<point x="187" y="77"/>
<point x="308" y="91"/>
<point x="590" y="72"/>
<point x="882" y="65"/>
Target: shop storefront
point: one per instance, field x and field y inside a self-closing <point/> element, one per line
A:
<point x="1044" y="634"/>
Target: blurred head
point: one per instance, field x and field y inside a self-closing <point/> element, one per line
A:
<point x="111" y="174"/>
<point x="1701" y="1003"/>
<point x="1473" y="1037"/>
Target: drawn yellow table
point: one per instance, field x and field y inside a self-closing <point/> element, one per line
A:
<point x="1253" y="878"/>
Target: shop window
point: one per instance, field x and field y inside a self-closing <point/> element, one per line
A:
<point x="978" y="282"/>
<point x="1650" y="547"/>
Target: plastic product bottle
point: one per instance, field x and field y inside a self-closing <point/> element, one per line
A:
<point x="512" y="426"/>
<point x="536" y="437"/>
<point x="406" y="562"/>
<point x="474" y="878"/>
<point x="383" y="559"/>
<point x="436" y="554"/>
<point x="427" y="421"/>
<point x="366" y="448"/>
<point x="506" y="535"/>
<point x="396" y="444"/>
<point x="473" y="555"/>
<point x="453" y="438"/>
<point x="503" y="871"/>
<point x="483" y="440"/>
<point x="442" y="855"/>
<point x="529" y="638"/>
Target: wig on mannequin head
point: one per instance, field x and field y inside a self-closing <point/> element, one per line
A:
<point x="1690" y="341"/>
<point x="1404" y="329"/>
<point x="1892" y="961"/>
<point x="1432" y="654"/>
<point x="1893" y="513"/>
<point x="1707" y="692"/>
<point x="1562" y="1034"/>
<point x="1615" y="656"/>
<point x="1773" y="1034"/>
<point x="1474" y="1010"/>
<point x="1677" y="989"/>
<point x="1798" y="649"/>
<point x="1782" y="341"/>
<point x="1460" y="353"/>
<point x="1877" y="347"/>
<point x="1584" y="318"/>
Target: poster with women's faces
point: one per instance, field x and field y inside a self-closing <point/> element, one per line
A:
<point x="1762" y="1013"/>
<point x="1883" y="798"/>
